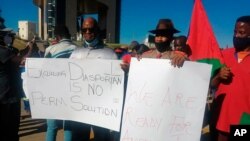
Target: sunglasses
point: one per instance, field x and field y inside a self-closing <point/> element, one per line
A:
<point x="91" y="30"/>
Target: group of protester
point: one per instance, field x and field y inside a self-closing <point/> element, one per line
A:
<point x="232" y="97"/>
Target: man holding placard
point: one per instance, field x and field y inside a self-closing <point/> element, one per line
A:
<point x="93" y="48"/>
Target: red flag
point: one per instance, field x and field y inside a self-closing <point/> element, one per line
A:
<point x="201" y="39"/>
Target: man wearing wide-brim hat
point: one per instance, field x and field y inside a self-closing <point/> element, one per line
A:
<point x="163" y="37"/>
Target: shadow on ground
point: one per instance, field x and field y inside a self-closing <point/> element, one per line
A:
<point x="30" y="126"/>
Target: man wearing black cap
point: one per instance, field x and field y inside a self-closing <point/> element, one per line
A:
<point x="7" y="36"/>
<point x="9" y="89"/>
<point x="163" y="38"/>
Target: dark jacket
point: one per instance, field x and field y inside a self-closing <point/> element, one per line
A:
<point x="10" y="77"/>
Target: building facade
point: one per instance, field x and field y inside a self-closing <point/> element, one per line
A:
<point x="26" y="30"/>
<point x="72" y="13"/>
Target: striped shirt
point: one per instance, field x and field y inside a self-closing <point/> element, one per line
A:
<point x="62" y="49"/>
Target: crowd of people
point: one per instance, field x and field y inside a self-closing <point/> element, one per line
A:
<point x="232" y="94"/>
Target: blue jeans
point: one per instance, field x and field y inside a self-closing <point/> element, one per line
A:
<point x="52" y="127"/>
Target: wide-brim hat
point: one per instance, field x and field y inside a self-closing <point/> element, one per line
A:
<point x="165" y="26"/>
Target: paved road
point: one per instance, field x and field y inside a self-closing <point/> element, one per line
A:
<point x="34" y="129"/>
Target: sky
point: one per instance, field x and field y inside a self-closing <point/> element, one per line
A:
<point x="140" y="16"/>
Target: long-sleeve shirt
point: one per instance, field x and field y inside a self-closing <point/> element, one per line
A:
<point x="62" y="49"/>
<point x="99" y="51"/>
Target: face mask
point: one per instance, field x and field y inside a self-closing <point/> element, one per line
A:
<point x="241" y="43"/>
<point x="7" y="40"/>
<point x="163" y="46"/>
<point x="92" y="43"/>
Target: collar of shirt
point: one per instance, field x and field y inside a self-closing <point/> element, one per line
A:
<point x="95" y="44"/>
<point x="64" y="40"/>
<point x="241" y="55"/>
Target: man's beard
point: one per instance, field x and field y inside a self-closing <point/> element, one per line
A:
<point x="163" y="46"/>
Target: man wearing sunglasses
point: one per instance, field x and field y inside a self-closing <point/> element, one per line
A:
<point x="93" y="48"/>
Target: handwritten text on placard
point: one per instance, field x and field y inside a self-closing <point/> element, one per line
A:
<point x="80" y="90"/>
<point x="164" y="103"/>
